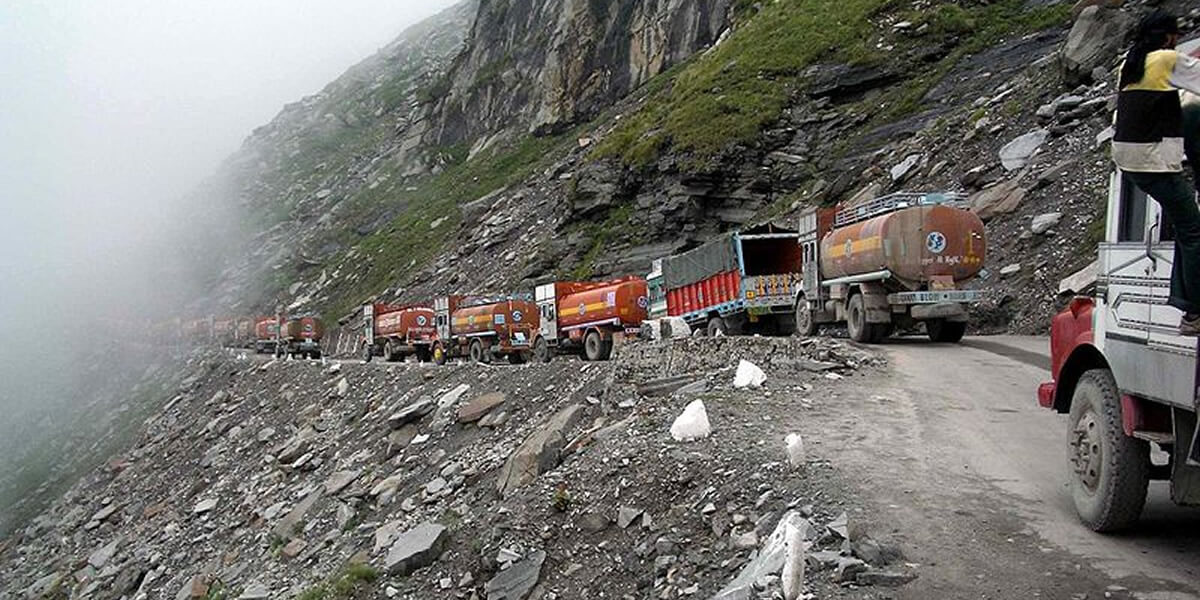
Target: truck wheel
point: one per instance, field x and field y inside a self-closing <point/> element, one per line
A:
<point x="478" y="354"/>
<point x="1110" y="472"/>
<point x="606" y="349"/>
<point x="856" y="321"/>
<point x="805" y="325"/>
<point x="368" y="353"/>
<point x="541" y="350"/>
<point x="945" y="332"/>
<point x="593" y="346"/>
<point x="389" y="352"/>
<point x="716" y="327"/>
<point x="439" y="355"/>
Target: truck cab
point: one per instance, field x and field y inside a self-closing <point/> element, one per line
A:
<point x="1123" y="373"/>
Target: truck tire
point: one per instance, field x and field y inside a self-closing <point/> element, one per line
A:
<point x="389" y="351"/>
<point x="806" y="326"/>
<point x="856" y="321"/>
<point x="945" y="332"/>
<point x="716" y="327"/>
<point x="593" y="346"/>
<point x="541" y="350"/>
<point x="478" y="353"/>
<point x="439" y="354"/>
<point x="1110" y="472"/>
<point x="368" y="353"/>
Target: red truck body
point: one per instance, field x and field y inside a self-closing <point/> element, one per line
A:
<point x="588" y="316"/>
<point x="399" y="331"/>
<point x="486" y="330"/>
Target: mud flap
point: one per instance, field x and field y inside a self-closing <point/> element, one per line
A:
<point x="1185" y="476"/>
<point x="1193" y="456"/>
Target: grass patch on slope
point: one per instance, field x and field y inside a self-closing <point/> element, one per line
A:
<point x="430" y="215"/>
<point x="727" y="95"/>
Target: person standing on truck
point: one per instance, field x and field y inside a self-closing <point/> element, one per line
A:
<point x="1148" y="146"/>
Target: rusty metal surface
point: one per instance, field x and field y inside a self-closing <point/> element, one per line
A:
<point x="918" y="245"/>
<point x="579" y="303"/>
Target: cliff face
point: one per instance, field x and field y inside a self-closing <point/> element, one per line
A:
<point x="544" y="65"/>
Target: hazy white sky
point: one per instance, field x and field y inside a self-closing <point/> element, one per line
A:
<point x="110" y="110"/>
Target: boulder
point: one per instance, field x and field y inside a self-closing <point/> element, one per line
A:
<point x="515" y="582"/>
<point x="103" y="554"/>
<point x="339" y="480"/>
<point x="412" y="412"/>
<point x="1045" y="222"/>
<point x="901" y="171"/>
<point x="415" y="549"/>
<point x="540" y="452"/>
<point x="1016" y="154"/>
<point x="298" y="445"/>
<point x="477" y="408"/>
<point x="1095" y="40"/>
<point x="748" y="375"/>
<point x="997" y="200"/>
<point x="692" y="424"/>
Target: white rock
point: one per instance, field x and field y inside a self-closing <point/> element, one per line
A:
<point x="795" y="449"/>
<point x="1012" y="269"/>
<point x="793" y="562"/>
<point x="748" y="375"/>
<point x="1081" y="281"/>
<point x="343" y="388"/>
<point x="901" y="171"/>
<point x="692" y="424"/>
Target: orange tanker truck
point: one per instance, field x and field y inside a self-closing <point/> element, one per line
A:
<point x="397" y="332"/>
<point x="300" y="337"/>
<point x="266" y="334"/>
<point x="588" y="317"/>
<point x="889" y="264"/>
<point x="484" y="329"/>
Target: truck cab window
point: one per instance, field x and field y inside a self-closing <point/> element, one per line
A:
<point x="1131" y="213"/>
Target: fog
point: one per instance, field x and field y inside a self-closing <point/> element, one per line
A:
<point x="110" y="113"/>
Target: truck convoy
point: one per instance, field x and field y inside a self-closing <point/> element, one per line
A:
<point x="1124" y="375"/>
<point x="588" y="317"/>
<point x="298" y="337"/>
<point x="484" y="329"/>
<point x="397" y="332"/>
<point x="740" y="282"/>
<point x="889" y="264"/>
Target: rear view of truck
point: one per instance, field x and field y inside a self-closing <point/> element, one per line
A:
<point x="300" y="337"/>
<point x="889" y="264"/>
<point x="397" y="332"/>
<point x="739" y="283"/>
<point x="589" y="317"/>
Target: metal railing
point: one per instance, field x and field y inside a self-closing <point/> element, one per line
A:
<point x="893" y="202"/>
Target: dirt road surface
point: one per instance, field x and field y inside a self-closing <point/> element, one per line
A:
<point x="967" y="470"/>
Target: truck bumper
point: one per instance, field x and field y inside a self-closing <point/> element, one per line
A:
<point x="1045" y="394"/>
<point x="945" y="310"/>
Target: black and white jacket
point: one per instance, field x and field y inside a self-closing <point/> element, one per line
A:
<point x="1149" y="121"/>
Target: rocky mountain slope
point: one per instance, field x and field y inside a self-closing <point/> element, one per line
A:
<point x="483" y="153"/>
<point x="296" y="479"/>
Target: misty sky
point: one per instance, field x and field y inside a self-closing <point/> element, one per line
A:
<point x="111" y="110"/>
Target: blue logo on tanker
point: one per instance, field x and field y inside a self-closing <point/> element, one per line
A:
<point x="517" y="316"/>
<point x="643" y="302"/>
<point x="421" y="320"/>
<point x="936" y="242"/>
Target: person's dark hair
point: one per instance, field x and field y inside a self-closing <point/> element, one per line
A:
<point x="1152" y="33"/>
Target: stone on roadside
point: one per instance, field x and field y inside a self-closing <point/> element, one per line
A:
<point x="795" y="449"/>
<point x="997" y="200"/>
<point x="339" y="480"/>
<point x="103" y="554"/>
<point x="1081" y="281"/>
<point x="848" y="569"/>
<point x="769" y="561"/>
<point x="343" y="388"/>
<point x="884" y="578"/>
<point x="748" y="375"/>
<point x="480" y="407"/>
<point x="626" y="516"/>
<point x="901" y="171"/>
<point x="515" y="582"/>
<point x="692" y="424"/>
<point x="415" y="549"/>
<point x="540" y="452"/>
<point x="412" y="412"/>
<point x="594" y="522"/>
<point x="1011" y="269"/>
<point x="194" y="588"/>
<point x="286" y="527"/>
